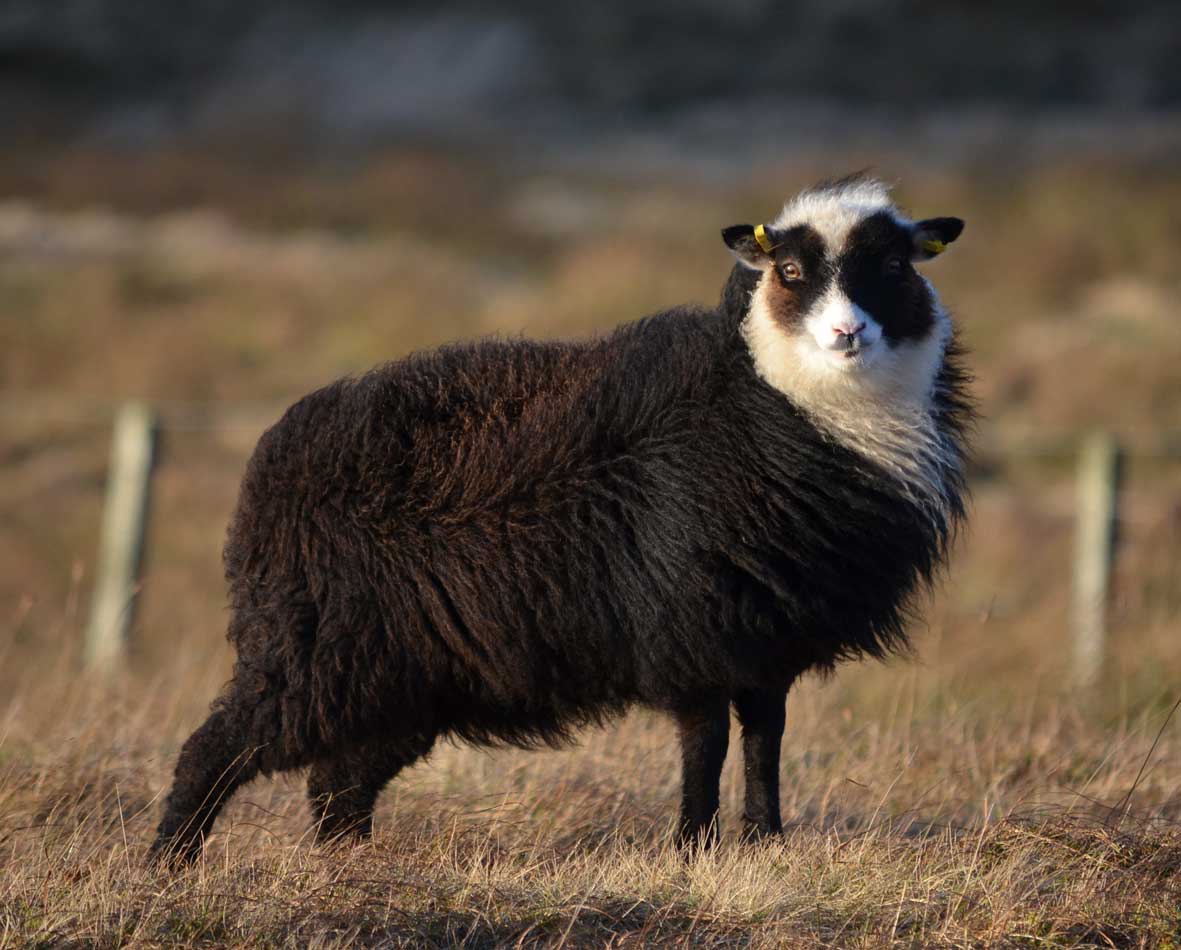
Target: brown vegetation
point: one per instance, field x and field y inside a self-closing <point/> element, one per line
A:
<point x="967" y="799"/>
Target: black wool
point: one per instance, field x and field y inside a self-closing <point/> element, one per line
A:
<point x="506" y="541"/>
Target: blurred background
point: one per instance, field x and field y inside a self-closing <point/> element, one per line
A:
<point x="218" y="206"/>
<point x="211" y="208"/>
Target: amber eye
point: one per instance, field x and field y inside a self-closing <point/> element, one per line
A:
<point x="790" y="270"/>
<point x="893" y="266"/>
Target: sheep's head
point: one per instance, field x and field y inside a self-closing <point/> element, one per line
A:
<point x="840" y="309"/>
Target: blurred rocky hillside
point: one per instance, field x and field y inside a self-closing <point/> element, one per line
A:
<point x="134" y="69"/>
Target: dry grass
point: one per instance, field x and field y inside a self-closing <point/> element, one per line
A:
<point x="968" y="798"/>
<point x="915" y="819"/>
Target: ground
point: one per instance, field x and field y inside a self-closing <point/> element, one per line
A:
<point x="966" y="796"/>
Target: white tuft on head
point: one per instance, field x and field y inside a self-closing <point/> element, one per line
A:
<point x="835" y="209"/>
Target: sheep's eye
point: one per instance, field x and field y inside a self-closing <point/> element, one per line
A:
<point x="894" y="265"/>
<point x="790" y="270"/>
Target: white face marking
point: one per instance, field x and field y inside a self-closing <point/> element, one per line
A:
<point x="878" y="401"/>
<point x="834" y="321"/>
<point x="809" y="369"/>
<point x="834" y="213"/>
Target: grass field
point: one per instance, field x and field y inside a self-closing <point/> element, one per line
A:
<point x="965" y="797"/>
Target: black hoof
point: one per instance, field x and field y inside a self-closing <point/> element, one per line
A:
<point x="172" y="854"/>
<point x="693" y="839"/>
<point x="344" y="832"/>
<point x="754" y="833"/>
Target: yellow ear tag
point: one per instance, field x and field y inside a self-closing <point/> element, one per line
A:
<point x="934" y="247"/>
<point x="764" y="241"/>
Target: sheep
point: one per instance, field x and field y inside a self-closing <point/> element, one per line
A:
<point x="504" y="542"/>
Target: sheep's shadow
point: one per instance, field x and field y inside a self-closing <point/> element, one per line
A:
<point x="613" y="922"/>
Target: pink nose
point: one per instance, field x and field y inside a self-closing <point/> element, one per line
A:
<point x="848" y="329"/>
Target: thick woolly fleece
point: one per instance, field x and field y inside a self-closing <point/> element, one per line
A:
<point x="505" y="541"/>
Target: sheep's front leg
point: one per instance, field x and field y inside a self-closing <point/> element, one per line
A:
<point x="705" y="735"/>
<point x="762" y="714"/>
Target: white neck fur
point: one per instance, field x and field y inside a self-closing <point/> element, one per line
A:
<point x="882" y="411"/>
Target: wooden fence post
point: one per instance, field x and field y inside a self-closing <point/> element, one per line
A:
<point x="123" y="526"/>
<point x="1095" y="517"/>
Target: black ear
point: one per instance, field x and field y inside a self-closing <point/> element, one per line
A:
<point x="931" y="237"/>
<point x="740" y="238"/>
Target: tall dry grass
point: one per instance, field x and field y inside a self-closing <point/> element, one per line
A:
<point x="968" y="797"/>
<point x="915" y="818"/>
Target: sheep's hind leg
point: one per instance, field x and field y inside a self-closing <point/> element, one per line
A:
<point x="343" y="790"/>
<point x="218" y="758"/>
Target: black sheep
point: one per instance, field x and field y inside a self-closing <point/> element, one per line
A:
<point x="505" y="541"/>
